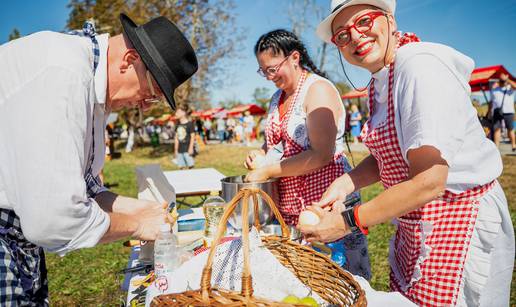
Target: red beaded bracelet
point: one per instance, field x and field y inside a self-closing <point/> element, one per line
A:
<point x="364" y="230"/>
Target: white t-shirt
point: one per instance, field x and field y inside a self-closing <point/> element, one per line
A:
<point x="433" y="107"/>
<point x="503" y="95"/>
<point x="249" y="121"/>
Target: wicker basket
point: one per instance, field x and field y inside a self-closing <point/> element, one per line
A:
<point x="314" y="269"/>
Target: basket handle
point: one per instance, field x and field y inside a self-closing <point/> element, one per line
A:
<point x="285" y="232"/>
<point x="244" y="194"/>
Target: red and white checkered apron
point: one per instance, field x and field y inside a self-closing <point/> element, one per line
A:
<point x="430" y="245"/>
<point x="299" y="191"/>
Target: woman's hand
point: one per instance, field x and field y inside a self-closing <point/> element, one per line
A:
<point x="260" y="174"/>
<point x="251" y="156"/>
<point x="331" y="227"/>
<point x="336" y="192"/>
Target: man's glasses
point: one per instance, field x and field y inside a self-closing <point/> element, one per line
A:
<point x="156" y="98"/>
<point x="271" y="71"/>
<point x="362" y="24"/>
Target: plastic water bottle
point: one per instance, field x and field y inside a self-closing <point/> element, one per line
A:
<point x="213" y="209"/>
<point x="166" y="255"/>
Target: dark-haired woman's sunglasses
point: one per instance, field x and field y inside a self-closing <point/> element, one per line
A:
<point x="271" y="71"/>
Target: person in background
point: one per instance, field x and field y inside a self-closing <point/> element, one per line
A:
<point x="502" y="109"/>
<point x="130" y="118"/>
<point x="130" y="139"/>
<point x="185" y="138"/>
<point x="170" y="130"/>
<point x="355" y="123"/>
<point x="305" y="122"/>
<point x="221" y="129"/>
<point x="199" y="129"/>
<point x="262" y="124"/>
<point x="230" y="124"/>
<point x="51" y="198"/>
<point x="248" y="127"/>
<point x="207" y="129"/>
<point x="454" y="240"/>
<point x="239" y="132"/>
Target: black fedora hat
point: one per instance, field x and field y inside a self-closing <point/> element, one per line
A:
<point x="165" y="51"/>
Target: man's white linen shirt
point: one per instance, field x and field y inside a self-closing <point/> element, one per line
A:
<point x="433" y="107"/>
<point x="48" y="92"/>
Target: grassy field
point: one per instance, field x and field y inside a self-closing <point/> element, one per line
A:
<point x="89" y="277"/>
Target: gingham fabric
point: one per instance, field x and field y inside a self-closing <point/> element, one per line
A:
<point x="93" y="183"/>
<point x="429" y="249"/>
<point x="23" y="274"/>
<point x="299" y="191"/>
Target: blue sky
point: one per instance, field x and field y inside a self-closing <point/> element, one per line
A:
<point x="481" y="29"/>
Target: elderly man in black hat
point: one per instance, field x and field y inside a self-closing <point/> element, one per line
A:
<point x="64" y="86"/>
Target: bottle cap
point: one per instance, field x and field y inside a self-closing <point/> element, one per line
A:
<point x="214" y="193"/>
<point x="164" y="227"/>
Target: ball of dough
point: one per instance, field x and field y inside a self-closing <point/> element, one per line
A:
<point x="308" y="217"/>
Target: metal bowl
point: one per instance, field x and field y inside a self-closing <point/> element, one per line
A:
<point x="275" y="230"/>
<point x="231" y="186"/>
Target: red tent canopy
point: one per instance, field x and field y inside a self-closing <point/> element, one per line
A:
<point x="252" y="108"/>
<point x="208" y="114"/>
<point x="354" y="94"/>
<point x="197" y="113"/>
<point x="480" y="77"/>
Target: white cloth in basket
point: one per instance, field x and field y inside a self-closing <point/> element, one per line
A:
<point x="271" y="279"/>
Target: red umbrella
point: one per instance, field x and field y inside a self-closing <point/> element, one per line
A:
<point x="208" y="114"/>
<point x="197" y="113"/>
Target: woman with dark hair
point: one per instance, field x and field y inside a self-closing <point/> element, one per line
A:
<point x="305" y="124"/>
<point x="454" y="240"/>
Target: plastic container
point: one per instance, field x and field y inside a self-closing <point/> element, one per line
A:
<point x="166" y="253"/>
<point x="334" y="250"/>
<point x="213" y="209"/>
<point x="338" y="252"/>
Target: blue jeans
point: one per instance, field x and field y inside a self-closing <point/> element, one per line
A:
<point x="222" y="135"/>
<point x="184" y="160"/>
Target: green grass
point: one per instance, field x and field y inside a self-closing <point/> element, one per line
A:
<point x="89" y="277"/>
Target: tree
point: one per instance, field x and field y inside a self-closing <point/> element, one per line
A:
<point x="262" y="97"/>
<point x="14" y="34"/>
<point x="209" y="26"/>
<point x="230" y="103"/>
<point x="301" y="15"/>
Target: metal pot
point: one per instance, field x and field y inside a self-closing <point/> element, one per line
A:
<point x="231" y="186"/>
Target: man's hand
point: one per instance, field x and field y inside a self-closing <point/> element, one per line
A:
<point x="149" y="220"/>
<point x="190" y="152"/>
<point x="331" y="227"/>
